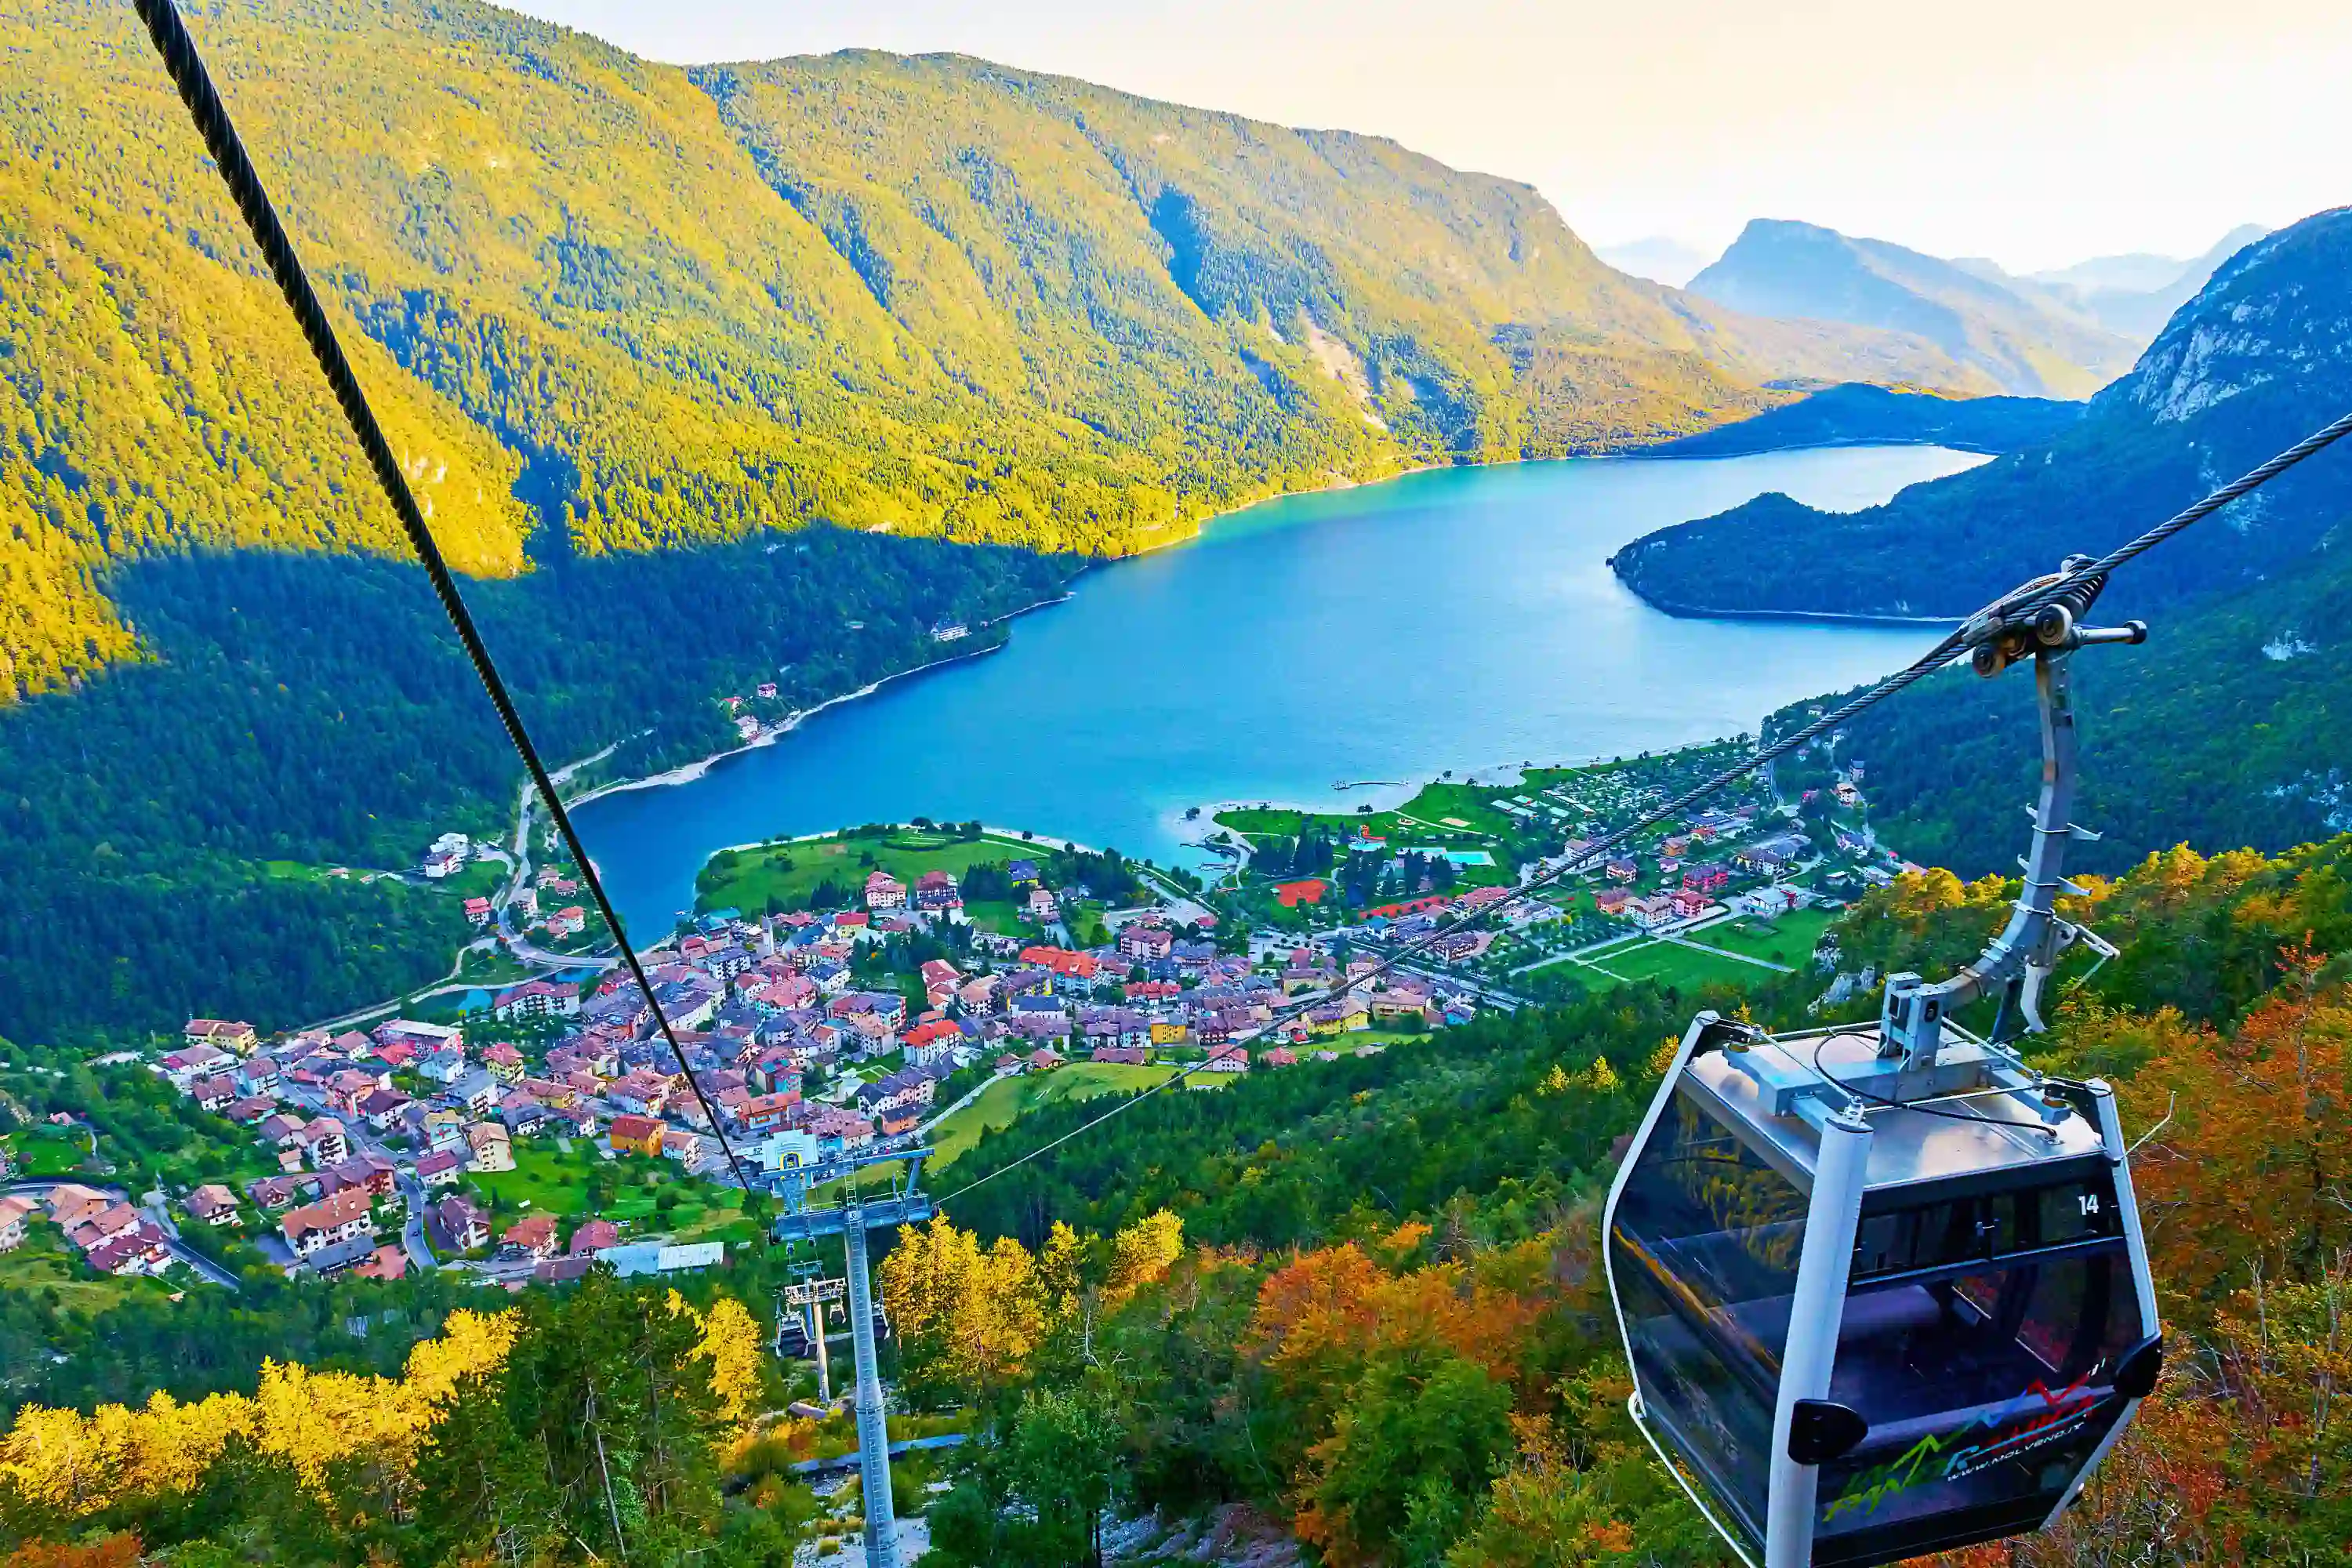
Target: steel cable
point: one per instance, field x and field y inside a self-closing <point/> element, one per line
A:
<point x="194" y="82"/>
<point x="1955" y="644"/>
<point x="2024" y="603"/>
<point x="189" y="74"/>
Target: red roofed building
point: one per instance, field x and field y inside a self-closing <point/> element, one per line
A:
<point x="533" y="1235"/>
<point x="537" y="999"/>
<point x="1409" y="907"/>
<point x="345" y="1216"/>
<point x="593" y="1233"/>
<point x="1061" y="961"/>
<point x="389" y="1262"/>
<point x="765" y="1113"/>
<point x="140" y="1249"/>
<point x="635" y="1135"/>
<point x="439" y="1169"/>
<point x="1140" y="941"/>
<point x="935" y="1041"/>
<point x="223" y="1034"/>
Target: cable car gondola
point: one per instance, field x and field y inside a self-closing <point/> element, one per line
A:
<point x="1883" y="1287"/>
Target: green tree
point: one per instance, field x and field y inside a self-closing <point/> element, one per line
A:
<point x="1039" y="1492"/>
<point x="1409" y="1453"/>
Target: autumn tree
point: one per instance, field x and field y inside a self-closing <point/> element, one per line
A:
<point x="1142" y="1253"/>
<point x="967" y="1318"/>
<point x="2256" y="1160"/>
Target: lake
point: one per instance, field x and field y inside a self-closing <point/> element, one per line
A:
<point x="1460" y="619"/>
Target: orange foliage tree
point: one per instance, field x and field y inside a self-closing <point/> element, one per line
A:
<point x="2257" y="1160"/>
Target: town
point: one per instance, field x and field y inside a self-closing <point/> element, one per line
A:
<point x="1725" y="896"/>
<point x="888" y="985"/>
<point x="411" y="1142"/>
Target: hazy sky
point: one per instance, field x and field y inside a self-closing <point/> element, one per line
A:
<point x="2035" y="132"/>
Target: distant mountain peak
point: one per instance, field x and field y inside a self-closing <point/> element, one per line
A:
<point x="2027" y="343"/>
<point x="2135" y="294"/>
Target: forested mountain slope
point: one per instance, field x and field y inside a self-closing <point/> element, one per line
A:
<point x="637" y="306"/>
<point x="2029" y="342"/>
<point x="2262" y="357"/>
<point x="171" y="829"/>
<point x="1859" y="414"/>
<point x="2226" y="728"/>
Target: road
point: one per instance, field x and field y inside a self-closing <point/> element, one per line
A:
<point x="523" y="950"/>
<point x="523" y="797"/>
<point x="204" y="1267"/>
<point x="364" y="1140"/>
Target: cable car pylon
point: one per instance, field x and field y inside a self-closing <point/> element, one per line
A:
<point x="808" y="1298"/>
<point x="1882" y="1288"/>
<point x="850" y="1217"/>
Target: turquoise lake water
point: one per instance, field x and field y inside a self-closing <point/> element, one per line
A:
<point x="1463" y="619"/>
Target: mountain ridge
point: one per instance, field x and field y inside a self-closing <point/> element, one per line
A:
<point x="1860" y="413"/>
<point x="2256" y="362"/>
<point x="2225" y="729"/>
<point x="2136" y="294"/>
<point x="2026" y="340"/>
<point x="611" y="305"/>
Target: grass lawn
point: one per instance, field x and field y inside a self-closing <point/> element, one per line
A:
<point x="1789" y="940"/>
<point x="1382" y="1037"/>
<point x="1668" y="964"/>
<point x="554" y="1182"/>
<point x="1277" y="821"/>
<point x="998" y="915"/>
<point x="46" y="1261"/>
<point x="790" y="872"/>
<point x="1006" y="1100"/>
<point x="480" y="880"/>
<point x="544" y="1177"/>
<point x="1463" y="804"/>
<point x="1441" y="800"/>
<point x="49" y="1151"/>
<point x="494" y="968"/>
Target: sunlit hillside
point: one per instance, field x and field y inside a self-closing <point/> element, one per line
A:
<point x="636" y="306"/>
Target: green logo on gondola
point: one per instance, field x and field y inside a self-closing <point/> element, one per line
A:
<point x="2061" y="1414"/>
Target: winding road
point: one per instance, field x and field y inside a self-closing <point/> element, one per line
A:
<point x="364" y="1141"/>
<point x="180" y="1250"/>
